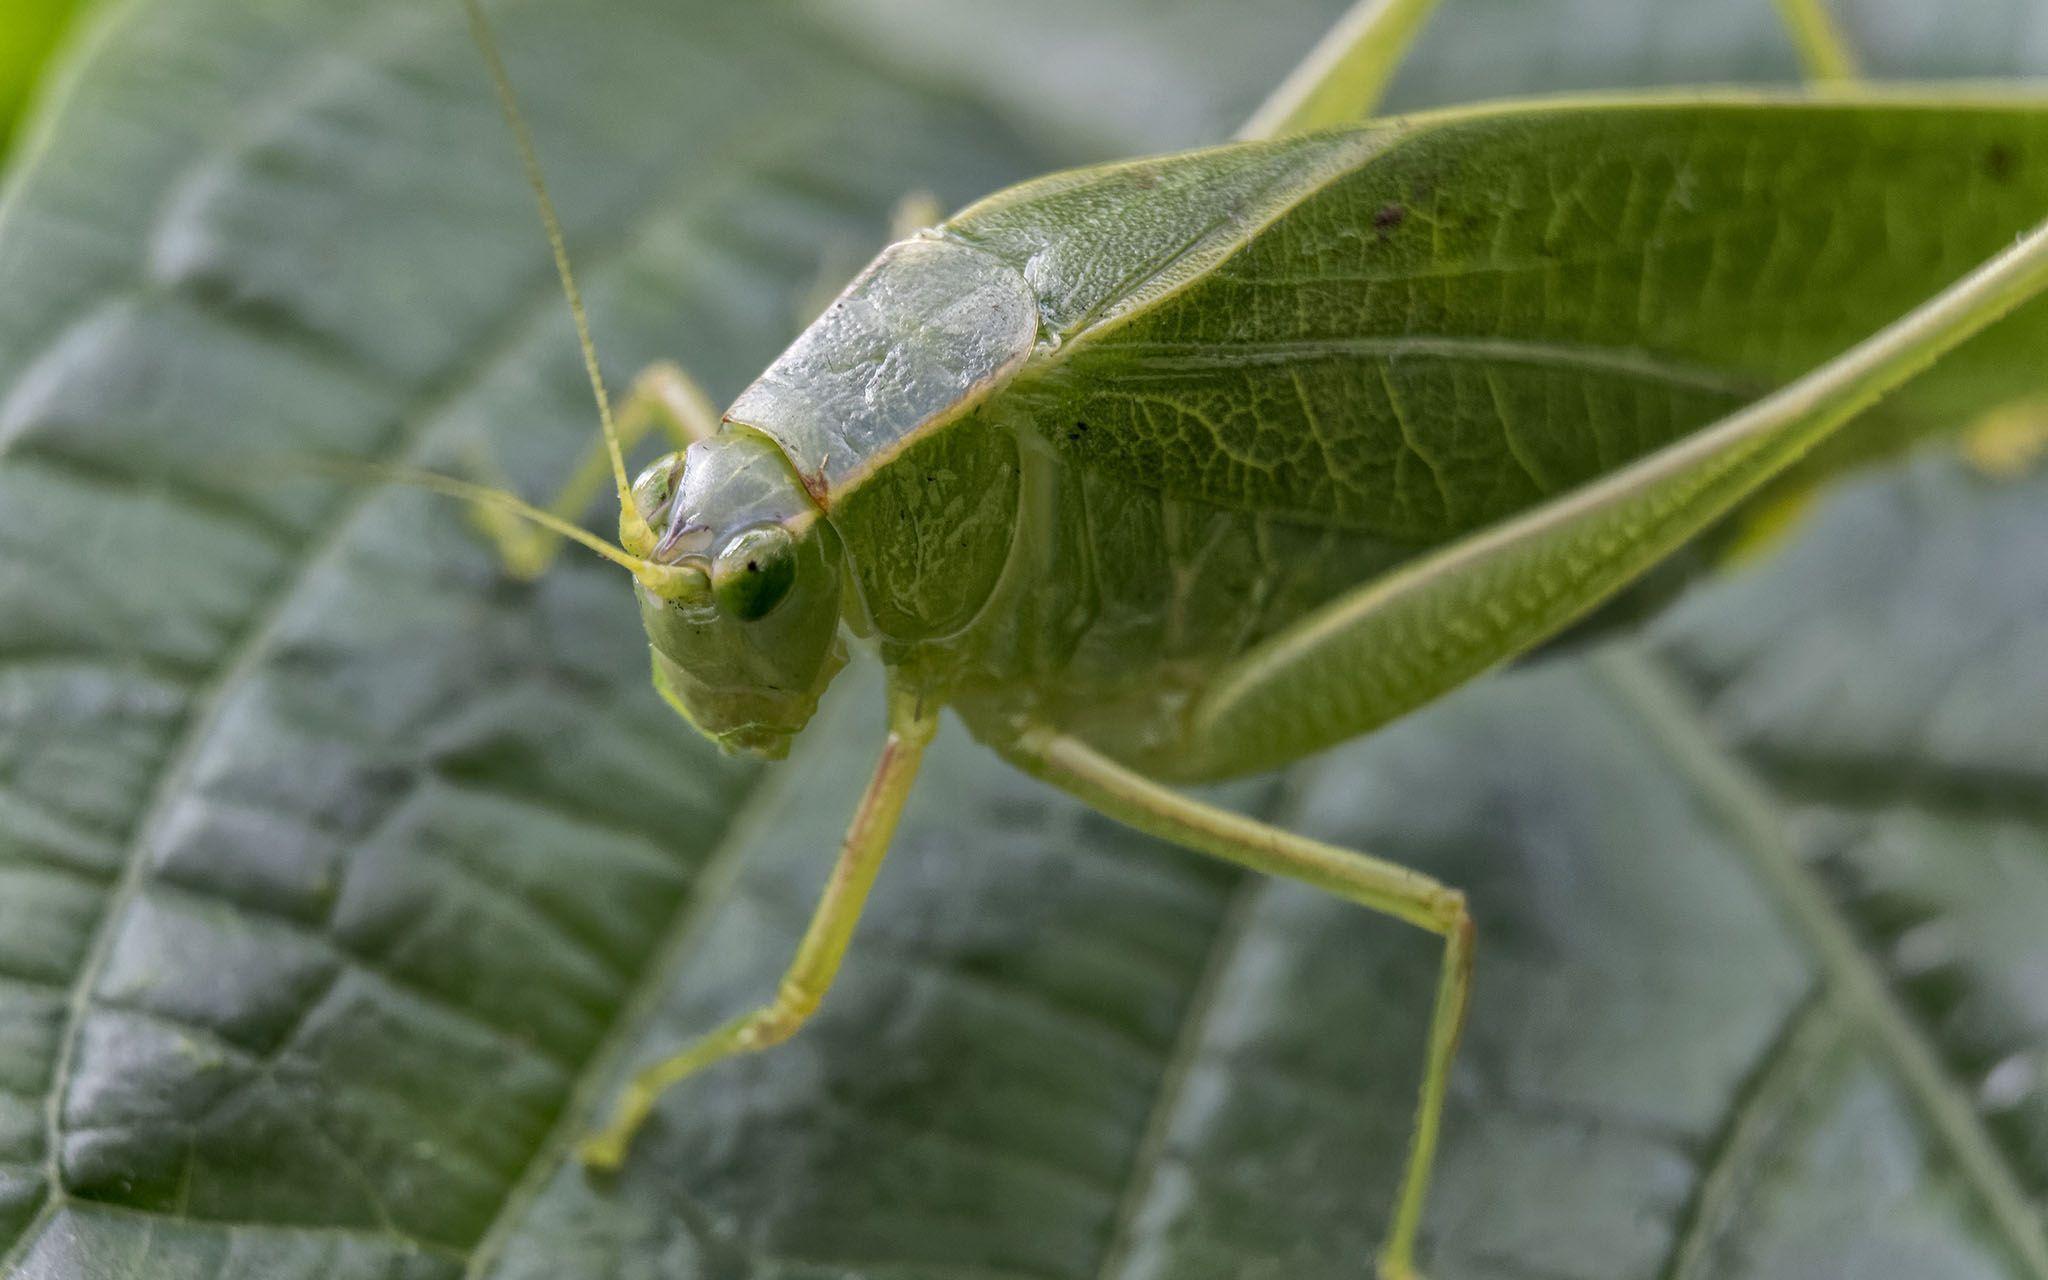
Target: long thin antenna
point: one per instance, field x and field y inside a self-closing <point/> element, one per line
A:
<point x="633" y="530"/>
<point x="659" y="578"/>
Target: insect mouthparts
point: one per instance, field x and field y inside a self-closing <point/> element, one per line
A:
<point x="672" y="541"/>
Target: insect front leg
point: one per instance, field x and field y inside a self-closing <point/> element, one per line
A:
<point x="1370" y="882"/>
<point x="662" y="396"/>
<point x="818" y="956"/>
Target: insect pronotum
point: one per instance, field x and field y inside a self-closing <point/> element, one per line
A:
<point x="1093" y="462"/>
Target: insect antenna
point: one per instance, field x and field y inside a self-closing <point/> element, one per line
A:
<point x="667" y="580"/>
<point x="633" y="530"/>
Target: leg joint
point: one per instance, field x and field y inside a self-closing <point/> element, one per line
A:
<point x="1450" y="915"/>
<point x="793" y="1006"/>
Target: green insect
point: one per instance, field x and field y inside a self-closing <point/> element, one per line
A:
<point x="1178" y="469"/>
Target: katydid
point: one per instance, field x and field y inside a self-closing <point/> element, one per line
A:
<point x="1167" y="471"/>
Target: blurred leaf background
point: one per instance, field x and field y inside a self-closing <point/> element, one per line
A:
<point x="342" y="879"/>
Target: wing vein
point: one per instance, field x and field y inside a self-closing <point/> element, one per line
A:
<point x="1179" y="358"/>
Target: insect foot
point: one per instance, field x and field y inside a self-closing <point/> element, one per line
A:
<point x="605" y="1150"/>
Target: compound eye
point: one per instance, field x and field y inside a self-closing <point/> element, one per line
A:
<point x="655" y="488"/>
<point x="754" y="572"/>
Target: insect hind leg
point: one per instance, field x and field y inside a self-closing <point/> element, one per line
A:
<point x="662" y="396"/>
<point x="1370" y="882"/>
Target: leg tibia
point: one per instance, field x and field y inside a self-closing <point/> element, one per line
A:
<point x="818" y="956"/>
<point x="1446" y="1023"/>
<point x="1368" y="881"/>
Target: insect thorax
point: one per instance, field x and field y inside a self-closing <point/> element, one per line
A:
<point x="1014" y="580"/>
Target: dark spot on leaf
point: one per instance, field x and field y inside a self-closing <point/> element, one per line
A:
<point x="1390" y="216"/>
<point x="1999" y="162"/>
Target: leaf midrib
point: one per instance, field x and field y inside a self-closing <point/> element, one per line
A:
<point x="1750" y="1129"/>
<point x="243" y="654"/>
<point x="1156" y="1136"/>
<point x="708" y="888"/>
<point x="1645" y="686"/>
<point x="428" y="408"/>
<point x="247" y="652"/>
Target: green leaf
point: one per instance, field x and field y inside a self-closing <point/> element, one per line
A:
<point x="341" y="880"/>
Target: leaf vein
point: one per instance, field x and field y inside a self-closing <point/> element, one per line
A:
<point x="1646" y="687"/>
<point x="1155" y="1142"/>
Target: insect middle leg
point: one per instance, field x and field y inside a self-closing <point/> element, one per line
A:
<point x="1368" y="881"/>
<point x="818" y="956"/>
<point x="662" y="396"/>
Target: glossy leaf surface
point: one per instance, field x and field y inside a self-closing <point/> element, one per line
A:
<point x="341" y="879"/>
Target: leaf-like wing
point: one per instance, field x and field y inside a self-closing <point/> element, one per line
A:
<point x="1419" y="328"/>
<point x="1432" y="624"/>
